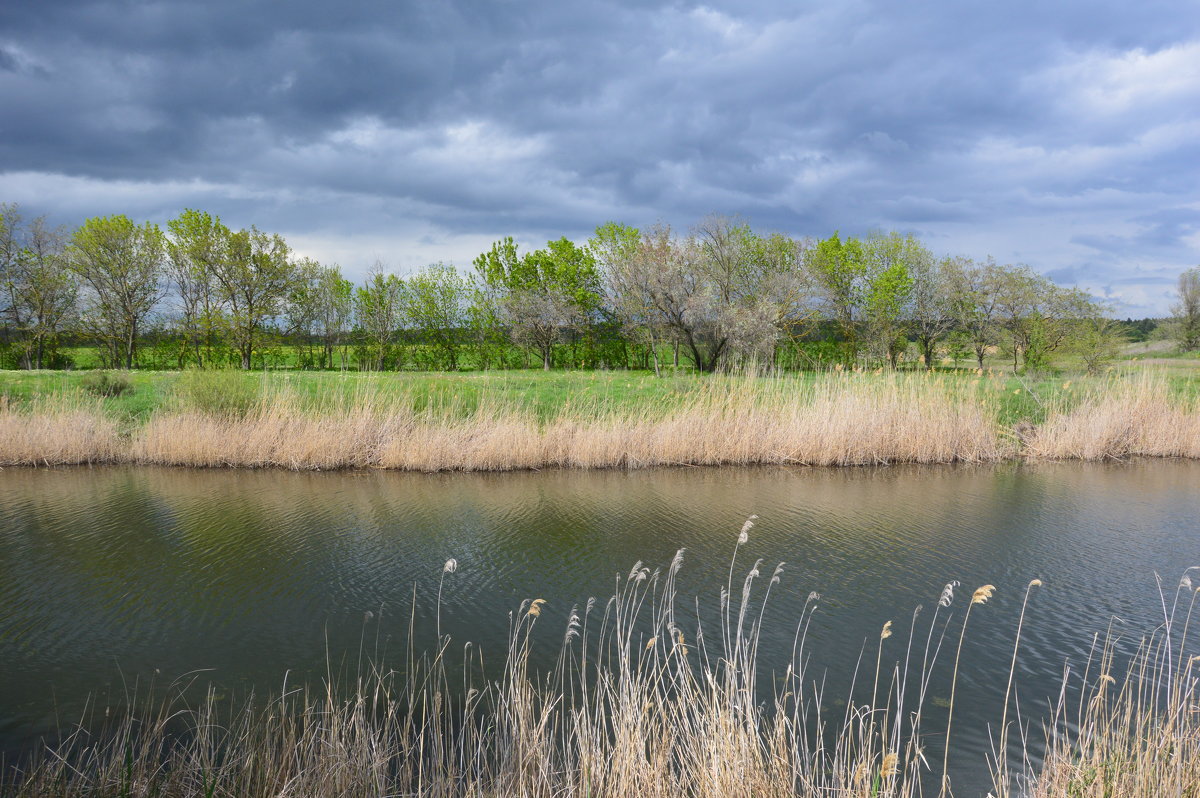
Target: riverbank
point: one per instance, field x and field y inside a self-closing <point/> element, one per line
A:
<point x="590" y="420"/>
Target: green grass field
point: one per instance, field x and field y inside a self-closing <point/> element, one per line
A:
<point x="544" y="394"/>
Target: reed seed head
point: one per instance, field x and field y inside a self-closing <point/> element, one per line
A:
<point x="891" y="764"/>
<point x="948" y="593"/>
<point x="450" y="567"/>
<point x="1036" y="583"/>
<point x="650" y="643"/>
<point x="983" y="594"/>
<point x="744" y="535"/>
<point x="887" y="631"/>
<point x="535" y="607"/>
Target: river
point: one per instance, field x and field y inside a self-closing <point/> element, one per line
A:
<point x="115" y="579"/>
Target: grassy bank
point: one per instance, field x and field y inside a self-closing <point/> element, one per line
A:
<point x="643" y="704"/>
<point x="587" y="419"/>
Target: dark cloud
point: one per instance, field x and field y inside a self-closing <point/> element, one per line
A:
<point x="1063" y="134"/>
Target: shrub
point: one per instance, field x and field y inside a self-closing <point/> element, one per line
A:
<point x="107" y="383"/>
<point x="218" y="392"/>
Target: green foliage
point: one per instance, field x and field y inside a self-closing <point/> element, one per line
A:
<point x="107" y="384"/>
<point x="1187" y="310"/>
<point x="538" y="295"/>
<point x="722" y="297"/>
<point x="216" y="392"/>
<point x="254" y="280"/>
<point x="437" y="311"/>
<point x="121" y="263"/>
<point x="839" y="268"/>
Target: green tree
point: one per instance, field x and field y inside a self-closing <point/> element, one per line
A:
<point x="1186" y="310"/>
<point x="46" y="289"/>
<point x="930" y="305"/>
<point x="379" y="306"/>
<point x="1097" y="341"/>
<point x="334" y="299"/>
<point x="437" y="309"/>
<point x="255" y="281"/>
<point x="198" y="246"/>
<point x="973" y="290"/>
<point x="121" y="266"/>
<point x="839" y="268"/>
<point x="889" y="262"/>
<point x="543" y="292"/>
<point x="1024" y="304"/>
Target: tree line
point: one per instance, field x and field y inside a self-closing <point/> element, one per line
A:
<point x="718" y="296"/>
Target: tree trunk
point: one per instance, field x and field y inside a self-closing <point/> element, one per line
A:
<point x="129" y="345"/>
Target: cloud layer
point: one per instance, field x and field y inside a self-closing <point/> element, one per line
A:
<point x="1064" y="135"/>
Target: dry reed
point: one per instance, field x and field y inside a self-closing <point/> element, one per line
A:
<point x="634" y="708"/>
<point x="58" y="430"/>
<point x="1121" y="418"/>
<point x="839" y="420"/>
<point x="836" y="419"/>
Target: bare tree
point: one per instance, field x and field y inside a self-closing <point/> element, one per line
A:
<point x="334" y="310"/>
<point x="679" y="296"/>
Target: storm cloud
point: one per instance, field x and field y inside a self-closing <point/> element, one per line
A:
<point x="1063" y="135"/>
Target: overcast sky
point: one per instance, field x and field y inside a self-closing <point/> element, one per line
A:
<point x="1062" y="134"/>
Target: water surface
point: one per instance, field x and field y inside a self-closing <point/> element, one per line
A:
<point x="111" y="577"/>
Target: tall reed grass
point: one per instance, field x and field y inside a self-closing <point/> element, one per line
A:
<point x="59" y="429"/>
<point x="643" y="703"/>
<point x="835" y="419"/>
